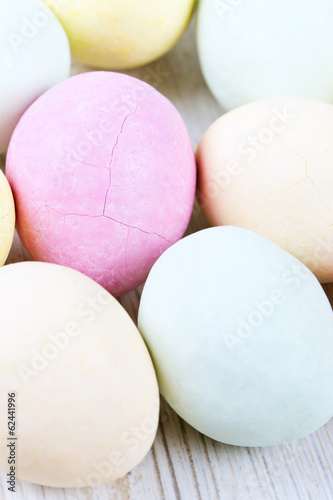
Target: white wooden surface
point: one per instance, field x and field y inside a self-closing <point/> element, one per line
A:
<point x="183" y="464"/>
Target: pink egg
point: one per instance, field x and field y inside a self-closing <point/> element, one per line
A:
<point x="103" y="174"/>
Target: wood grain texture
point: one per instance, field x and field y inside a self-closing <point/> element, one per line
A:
<point x="183" y="464"/>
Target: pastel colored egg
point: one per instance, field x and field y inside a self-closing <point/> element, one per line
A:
<point x="267" y="167"/>
<point x="35" y="55"/>
<point x="104" y="175"/>
<point x="241" y="336"/>
<point x="110" y="34"/>
<point x="256" y="49"/>
<point x="7" y="218"/>
<point x="85" y="394"/>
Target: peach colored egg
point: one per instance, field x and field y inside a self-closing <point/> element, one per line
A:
<point x="268" y="167"/>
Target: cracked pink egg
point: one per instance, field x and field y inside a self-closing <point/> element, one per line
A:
<point x="103" y="174"/>
<point x="268" y="167"/>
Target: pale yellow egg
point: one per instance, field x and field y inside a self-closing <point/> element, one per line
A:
<point x="79" y="401"/>
<point x="113" y="34"/>
<point x="7" y="218"/>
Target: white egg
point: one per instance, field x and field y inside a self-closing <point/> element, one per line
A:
<point x="241" y="335"/>
<point x="35" y="55"/>
<point x="252" y="49"/>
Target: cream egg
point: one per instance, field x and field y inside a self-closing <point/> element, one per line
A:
<point x="86" y="400"/>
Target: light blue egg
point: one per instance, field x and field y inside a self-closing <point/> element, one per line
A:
<point x="241" y="335"/>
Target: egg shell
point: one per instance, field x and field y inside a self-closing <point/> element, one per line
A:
<point x="267" y="167"/>
<point x="104" y="175"/>
<point x="87" y="400"/>
<point x="110" y="34"/>
<point x="35" y="55"/>
<point x="7" y="218"/>
<point x="241" y="336"/>
<point x="255" y="49"/>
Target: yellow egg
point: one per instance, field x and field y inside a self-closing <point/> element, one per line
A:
<point x="7" y="218"/>
<point x="113" y="34"/>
